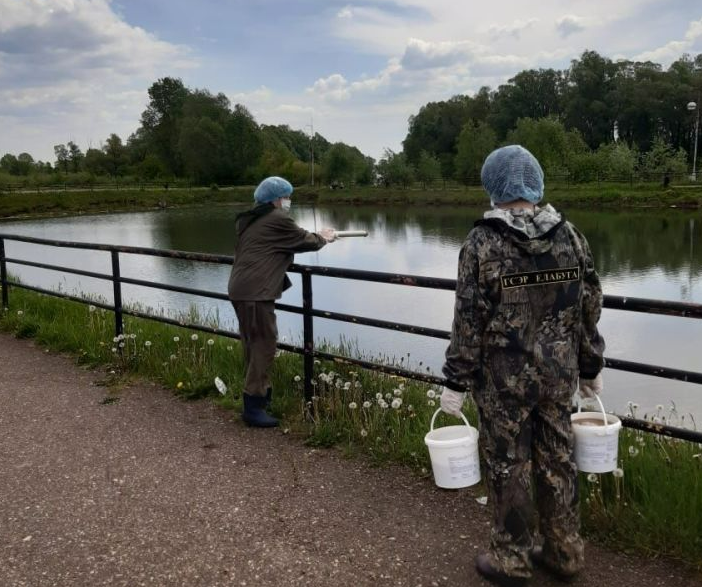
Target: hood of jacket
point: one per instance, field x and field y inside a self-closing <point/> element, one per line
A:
<point x="530" y="230"/>
<point x="246" y="219"/>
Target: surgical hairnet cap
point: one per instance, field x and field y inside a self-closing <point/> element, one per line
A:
<point x="512" y="173"/>
<point x="271" y="189"/>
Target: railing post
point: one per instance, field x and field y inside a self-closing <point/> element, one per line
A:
<point x="3" y="276"/>
<point x="117" y="288"/>
<point x="308" y="335"/>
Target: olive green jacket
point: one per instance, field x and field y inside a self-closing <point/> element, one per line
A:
<point x="267" y="239"/>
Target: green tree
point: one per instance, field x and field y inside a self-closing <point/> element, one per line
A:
<point x="202" y="148"/>
<point x="394" y="169"/>
<point x="115" y="160"/>
<point x="663" y="159"/>
<point x="161" y="120"/>
<point x="9" y="164"/>
<point x="25" y="164"/>
<point x="529" y="94"/>
<point x="95" y="162"/>
<point x="75" y="156"/>
<point x="428" y="169"/>
<point x="243" y="144"/>
<point x="61" y="153"/>
<point x="549" y="141"/>
<point x="475" y="142"/>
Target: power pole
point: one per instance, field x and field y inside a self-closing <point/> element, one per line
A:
<point x="311" y="126"/>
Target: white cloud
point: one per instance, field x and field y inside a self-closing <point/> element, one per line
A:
<point x="262" y="94"/>
<point x="346" y="12"/>
<point x="514" y="29"/>
<point x="569" y="25"/>
<point x="334" y="87"/>
<point x="70" y="59"/>
<point x="674" y="49"/>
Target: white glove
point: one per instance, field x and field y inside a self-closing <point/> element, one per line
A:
<point x="452" y="401"/>
<point x="328" y="234"/>
<point x="589" y="388"/>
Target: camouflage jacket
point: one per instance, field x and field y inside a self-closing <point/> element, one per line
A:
<point x="526" y="310"/>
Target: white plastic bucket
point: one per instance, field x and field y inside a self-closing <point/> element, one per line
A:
<point x="596" y="447"/>
<point x="454" y="454"/>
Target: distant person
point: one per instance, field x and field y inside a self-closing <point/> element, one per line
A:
<point x="524" y="335"/>
<point x="267" y="238"/>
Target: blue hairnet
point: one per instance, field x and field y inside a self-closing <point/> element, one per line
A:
<point x="272" y="188"/>
<point x="512" y="173"/>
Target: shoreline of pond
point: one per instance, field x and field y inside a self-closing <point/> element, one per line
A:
<point x="20" y="206"/>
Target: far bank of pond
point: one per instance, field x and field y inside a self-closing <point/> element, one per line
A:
<point x="85" y="201"/>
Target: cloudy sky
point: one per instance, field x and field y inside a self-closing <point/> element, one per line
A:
<point x="79" y="69"/>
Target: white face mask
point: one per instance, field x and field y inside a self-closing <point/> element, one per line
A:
<point x="285" y="203"/>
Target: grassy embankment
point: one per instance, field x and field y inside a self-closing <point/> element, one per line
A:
<point x="585" y="195"/>
<point x="655" y="507"/>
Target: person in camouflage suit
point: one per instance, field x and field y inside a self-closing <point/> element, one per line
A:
<point x="524" y="335"/>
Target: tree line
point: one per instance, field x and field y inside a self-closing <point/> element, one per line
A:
<point x="597" y="117"/>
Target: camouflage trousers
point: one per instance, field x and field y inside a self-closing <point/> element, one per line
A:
<point x="521" y="438"/>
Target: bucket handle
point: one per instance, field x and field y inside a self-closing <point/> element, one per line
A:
<point x="599" y="401"/>
<point x="437" y="413"/>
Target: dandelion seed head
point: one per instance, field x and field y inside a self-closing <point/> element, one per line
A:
<point x="20" y="312"/>
<point x="114" y="349"/>
<point x="297" y="379"/>
<point x="347" y="385"/>
<point x="353" y="406"/>
<point x="115" y="339"/>
<point x="618" y="473"/>
<point x="147" y="343"/>
<point x="366" y="404"/>
<point x="592" y="478"/>
<point x="364" y="433"/>
<point x="176" y="339"/>
<point x="633" y="451"/>
<point x="210" y="342"/>
<point x="173" y="357"/>
<point x="396" y="403"/>
<point x="378" y="396"/>
<point x="230" y="348"/>
<point x="397" y="392"/>
<point x="121" y="345"/>
<point x="193" y="337"/>
<point x="431" y="403"/>
<point x="659" y="407"/>
<point x="91" y="308"/>
<point x="357" y="385"/>
<point x="431" y="394"/>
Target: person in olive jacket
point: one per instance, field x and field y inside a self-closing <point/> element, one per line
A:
<point x="266" y="240"/>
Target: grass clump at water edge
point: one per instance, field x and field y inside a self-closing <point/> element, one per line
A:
<point x="652" y="504"/>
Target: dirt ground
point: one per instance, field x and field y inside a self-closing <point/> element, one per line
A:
<point x="151" y="490"/>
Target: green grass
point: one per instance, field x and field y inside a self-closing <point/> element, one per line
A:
<point x="654" y="508"/>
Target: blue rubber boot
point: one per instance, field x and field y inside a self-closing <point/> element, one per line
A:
<point x="269" y="397"/>
<point x="255" y="412"/>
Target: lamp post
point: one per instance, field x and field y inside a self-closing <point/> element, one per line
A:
<point x="695" y="106"/>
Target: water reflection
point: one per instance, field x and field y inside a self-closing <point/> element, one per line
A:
<point x="648" y="253"/>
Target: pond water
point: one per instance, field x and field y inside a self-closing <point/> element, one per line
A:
<point x="644" y="253"/>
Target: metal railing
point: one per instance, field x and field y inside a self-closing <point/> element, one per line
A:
<point x="309" y="312"/>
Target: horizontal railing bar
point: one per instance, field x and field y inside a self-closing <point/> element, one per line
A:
<point x="60" y="268"/>
<point x="664" y="430"/>
<point x="175" y="288"/>
<point x="204" y="257"/>
<point x="377" y="276"/>
<point x="384" y="324"/>
<point x="665" y="307"/>
<point x="656" y="371"/>
<point x="64" y="296"/>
